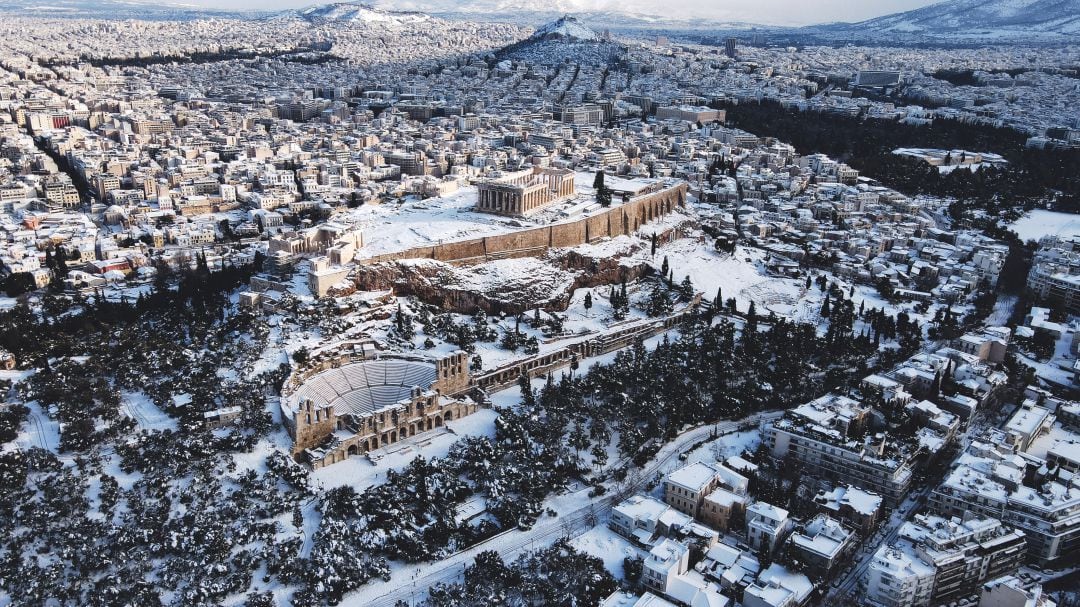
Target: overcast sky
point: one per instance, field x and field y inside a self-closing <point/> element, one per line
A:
<point x="772" y="12"/>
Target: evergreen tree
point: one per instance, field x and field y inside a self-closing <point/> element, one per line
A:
<point x="528" y="397"/>
<point x="578" y="438"/>
<point x="686" y="288"/>
<point x="603" y="194"/>
<point x="659" y="303"/>
<point x="600" y="456"/>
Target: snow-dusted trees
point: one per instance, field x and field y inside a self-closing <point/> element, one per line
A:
<point x="557" y="575"/>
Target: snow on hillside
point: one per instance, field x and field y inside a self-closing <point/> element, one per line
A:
<point x="995" y="18"/>
<point x="358" y="13"/>
<point x="510" y="6"/>
<point x="566" y="27"/>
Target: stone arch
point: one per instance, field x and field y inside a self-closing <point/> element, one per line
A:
<point x="438" y="421"/>
<point x="429" y="423"/>
<point x="351" y="451"/>
<point x="393" y="436"/>
<point x="449" y="415"/>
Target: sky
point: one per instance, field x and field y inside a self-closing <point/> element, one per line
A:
<point x="766" y="12"/>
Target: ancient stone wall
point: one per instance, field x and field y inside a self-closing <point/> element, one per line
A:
<point x="623" y="219"/>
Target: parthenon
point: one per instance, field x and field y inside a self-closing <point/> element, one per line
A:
<point x="526" y="192"/>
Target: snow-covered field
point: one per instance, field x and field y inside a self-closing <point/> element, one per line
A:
<point x="1038" y="223"/>
<point x="741" y="275"/>
<point x="391" y="227"/>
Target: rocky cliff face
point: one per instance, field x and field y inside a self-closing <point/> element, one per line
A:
<point x="509" y="286"/>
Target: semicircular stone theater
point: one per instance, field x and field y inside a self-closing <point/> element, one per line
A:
<point x="352" y="402"/>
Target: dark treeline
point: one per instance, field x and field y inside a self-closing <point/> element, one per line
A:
<point x="1032" y="177"/>
<point x="958" y="77"/>
<point x="198" y="57"/>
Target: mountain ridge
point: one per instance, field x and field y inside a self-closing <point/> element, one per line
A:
<point x="1000" y="18"/>
<point x="357" y="12"/>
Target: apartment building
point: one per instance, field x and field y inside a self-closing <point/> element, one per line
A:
<point x="858" y="508"/>
<point x="1055" y="272"/>
<point x="693" y="489"/>
<point x="829" y="439"/>
<point x="819" y="545"/>
<point x="766" y="527"/>
<point x="937" y="560"/>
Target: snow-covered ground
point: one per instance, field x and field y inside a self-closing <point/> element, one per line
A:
<point x="1059" y="369"/>
<point x="146" y="414"/>
<point x="41" y="430"/>
<point x="938" y="157"/>
<point x="1003" y="309"/>
<point x="608" y="546"/>
<point x="1038" y="223"/>
<point x="740" y="275"/>
<point x="725" y="447"/>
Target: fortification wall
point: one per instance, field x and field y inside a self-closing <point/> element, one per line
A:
<point x="623" y="219"/>
<point x="465" y="249"/>
<point x="568" y="234"/>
